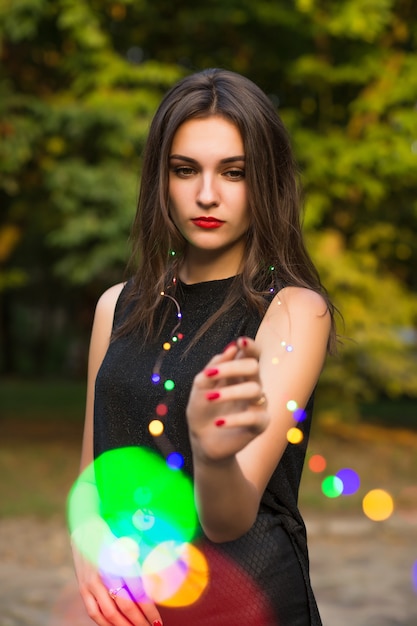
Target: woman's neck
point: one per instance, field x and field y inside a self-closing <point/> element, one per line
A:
<point x="199" y="268"/>
<point x="192" y="273"/>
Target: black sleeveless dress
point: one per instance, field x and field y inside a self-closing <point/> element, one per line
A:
<point x="262" y="578"/>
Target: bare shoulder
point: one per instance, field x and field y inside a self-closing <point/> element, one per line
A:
<point x="108" y="300"/>
<point x="103" y="321"/>
<point x="296" y="312"/>
<point x="104" y="314"/>
<point x="303" y="300"/>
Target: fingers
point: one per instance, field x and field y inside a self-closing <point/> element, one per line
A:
<point x="138" y="612"/>
<point x="243" y="346"/>
<point x="114" y="601"/>
<point x="134" y="604"/>
<point x="248" y="348"/>
<point x="249" y="391"/>
<point x="101" y="608"/>
<point x="227" y="405"/>
<point x="93" y="610"/>
<point x="239" y="360"/>
<point x="151" y="613"/>
<point x="233" y="376"/>
<point x="120" y="606"/>
<point x="238" y="368"/>
<point x="132" y="599"/>
<point x="228" y="354"/>
<point x="250" y="420"/>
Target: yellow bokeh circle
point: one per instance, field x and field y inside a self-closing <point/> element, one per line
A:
<point x="295" y="435"/>
<point x="175" y="575"/>
<point x="156" y="428"/>
<point x="378" y="505"/>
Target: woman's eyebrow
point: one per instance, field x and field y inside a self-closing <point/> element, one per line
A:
<point x="232" y="159"/>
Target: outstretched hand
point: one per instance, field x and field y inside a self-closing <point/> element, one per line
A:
<point x="227" y="407"/>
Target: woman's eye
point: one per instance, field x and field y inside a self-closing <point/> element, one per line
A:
<point x="235" y="174"/>
<point x="183" y="171"/>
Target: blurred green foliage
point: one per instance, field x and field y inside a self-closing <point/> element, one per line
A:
<point x="79" y="82"/>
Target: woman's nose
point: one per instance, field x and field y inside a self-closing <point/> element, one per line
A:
<point x="207" y="196"/>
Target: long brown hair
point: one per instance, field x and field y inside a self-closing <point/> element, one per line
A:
<point x="274" y="243"/>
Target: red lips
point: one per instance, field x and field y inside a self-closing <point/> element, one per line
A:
<point x="207" y="222"/>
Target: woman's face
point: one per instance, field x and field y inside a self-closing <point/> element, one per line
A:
<point x="207" y="189"/>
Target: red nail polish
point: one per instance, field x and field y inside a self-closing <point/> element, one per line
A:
<point x="230" y="345"/>
<point x="212" y="371"/>
<point x="212" y="395"/>
<point x="244" y="342"/>
<point x="157" y="622"/>
<point x="220" y="422"/>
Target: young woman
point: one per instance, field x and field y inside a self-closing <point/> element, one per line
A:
<point x="225" y="301"/>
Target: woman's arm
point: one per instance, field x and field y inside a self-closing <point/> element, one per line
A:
<point x="102" y="609"/>
<point x="234" y="461"/>
<point x="100" y="339"/>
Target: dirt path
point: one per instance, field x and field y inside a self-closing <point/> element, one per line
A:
<point x="361" y="572"/>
